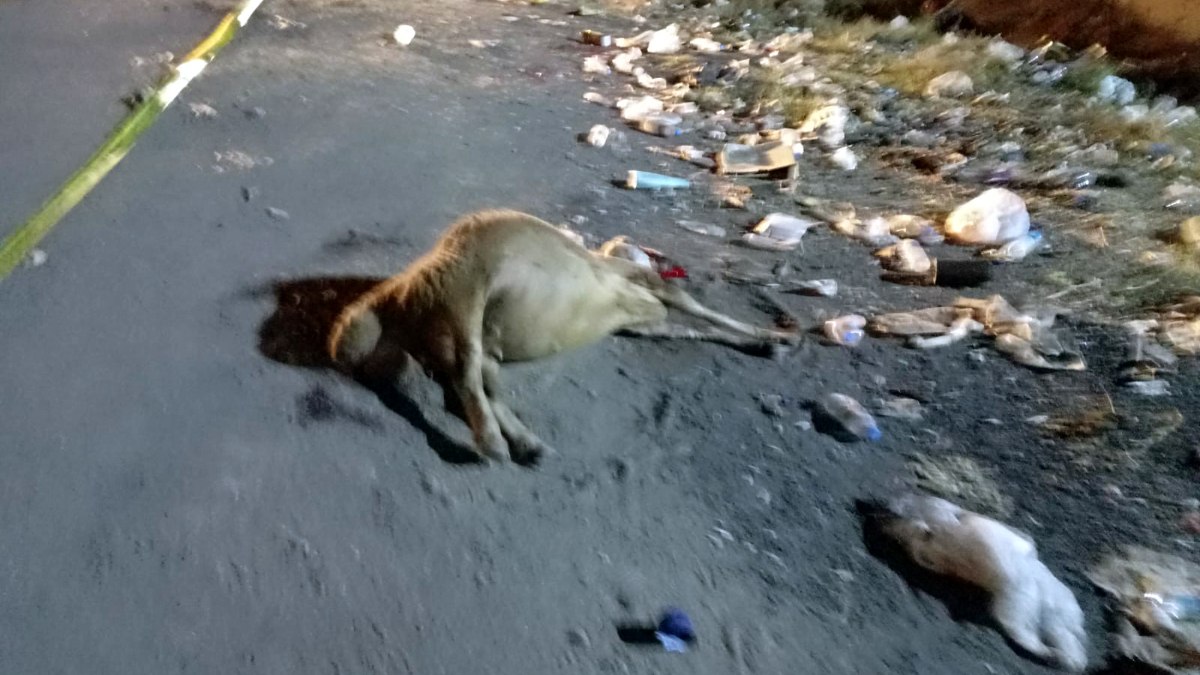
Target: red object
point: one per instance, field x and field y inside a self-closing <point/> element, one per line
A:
<point x="673" y="272"/>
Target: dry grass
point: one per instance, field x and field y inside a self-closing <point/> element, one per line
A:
<point x="960" y="479"/>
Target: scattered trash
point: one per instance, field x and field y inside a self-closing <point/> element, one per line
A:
<point x="825" y="288"/>
<point x="664" y="41"/>
<point x="1149" y="387"/>
<point x="644" y="180"/>
<point x="701" y="228"/>
<point x="1158" y="607"/>
<point x="591" y="37"/>
<point x="1015" y="250"/>
<point x="946" y="273"/>
<point x="996" y="216"/>
<point x="844" y="159"/>
<point x="1005" y="51"/>
<point x="706" y="45"/>
<point x="931" y="321"/>
<point x="1116" y="90"/>
<point x="620" y="247"/>
<point x="675" y="631"/>
<point x="1030" y="605"/>
<point x="778" y="232"/>
<point x="202" y="110"/>
<point x="633" y="109"/>
<point x="959" y="329"/>
<point x="906" y="257"/>
<point x="598" y="135"/>
<point x="736" y="158"/>
<point x="659" y="124"/>
<point x="404" y="34"/>
<point x="596" y="65"/>
<point x="901" y="407"/>
<point x="827" y="125"/>
<point x="851" y="416"/>
<point x="954" y="84"/>
<point x="845" y="330"/>
<point x="914" y="227"/>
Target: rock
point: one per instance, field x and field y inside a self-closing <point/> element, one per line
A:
<point x="899" y="22"/>
<point x="202" y="110"/>
<point x="1005" y="51"/>
<point x="249" y="193"/>
<point x="1189" y="232"/>
<point x="255" y="113"/>
<point x="996" y="216"/>
<point x="404" y="34"/>
<point x="578" y="638"/>
<point x="36" y="258"/>
<point x="950" y="85"/>
<point x="278" y="214"/>
<point x="1117" y="90"/>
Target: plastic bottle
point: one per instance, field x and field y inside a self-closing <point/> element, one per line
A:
<point x="1016" y="249"/>
<point x="845" y="330"/>
<point x="852" y="416"/>
<point x="660" y="124"/>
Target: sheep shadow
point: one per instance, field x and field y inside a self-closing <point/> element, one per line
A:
<point x="296" y="334"/>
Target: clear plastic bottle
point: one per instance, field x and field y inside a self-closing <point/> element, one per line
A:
<point x="852" y="416"/>
<point x="1017" y="249"/>
<point x="660" y="124"/>
<point x="845" y="330"/>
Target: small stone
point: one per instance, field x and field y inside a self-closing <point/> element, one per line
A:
<point x="404" y="34"/>
<point x="1117" y="90"/>
<point x="249" y="193"/>
<point x="255" y="113"/>
<point x="597" y="136"/>
<point x="37" y="257"/>
<point x="1190" y="522"/>
<point x="771" y="404"/>
<point x="1112" y="491"/>
<point x="899" y="22"/>
<point x="578" y="638"/>
<point x="278" y="214"/>
<point x="950" y="85"/>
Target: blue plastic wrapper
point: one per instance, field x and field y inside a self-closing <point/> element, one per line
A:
<point x="676" y="623"/>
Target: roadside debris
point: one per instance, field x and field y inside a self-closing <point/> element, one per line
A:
<point x="954" y="84"/>
<point x="1030" y="605"/>
<point x="736" y="158"/>
<point x="202" y="110"/>
<point x="1026" y="338"/>
<point x="675" y="631"/>
<point x="591" y="37"/>
<point x="906" y="257"/>
<point x="996" y="216"/>
<point x="845" y="330"/>
<point x="644" y="180"/>
<point x="850" y="416"/>
<point x="698" y="227"/>
<point x="778" y="232"/>
<point x="598" y="135"/>
<point x="1156" y="618"/>
<point x="404" y="34"/>
<point x="1015" y="250"/>
<point x="960" y="479"/>
<point x="36" y="258"/>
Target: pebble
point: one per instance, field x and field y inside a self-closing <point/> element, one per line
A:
<point x="578" y="638"/>
<point x="37" y="257"/>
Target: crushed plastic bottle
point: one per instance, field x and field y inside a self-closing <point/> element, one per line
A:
<point x="701" y="228"/>
<point x="845" y="330"/>
<point x="1015" y="250"/>
<point x="995" y="217"/>
<point x="851" y="416"/>
<point x="659" y="124"/>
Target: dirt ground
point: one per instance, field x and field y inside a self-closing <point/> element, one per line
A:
<point x="184" y="489"/>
